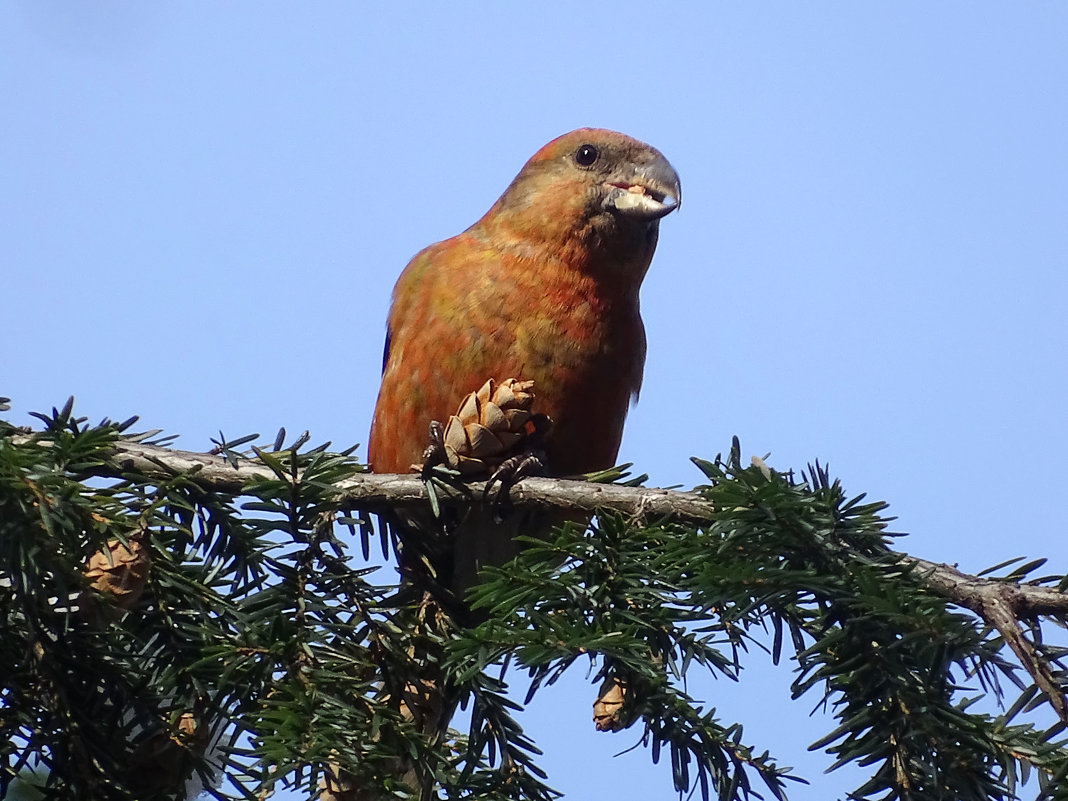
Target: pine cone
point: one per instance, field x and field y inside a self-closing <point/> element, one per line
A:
<point x="120" y="571"/>
<point x="614" y="708"/>
<point x="489" y="425"/>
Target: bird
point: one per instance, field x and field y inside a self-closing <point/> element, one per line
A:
<point x="544" y="287"/>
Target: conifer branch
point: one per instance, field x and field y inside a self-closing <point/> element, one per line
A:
<point x="371" y="492"/>
<point x="1001" y="603"/>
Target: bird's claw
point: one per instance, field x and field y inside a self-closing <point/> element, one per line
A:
<point x="434" y="457"/>
<point x="434" y="454"/>
<point x="510" y="472"/>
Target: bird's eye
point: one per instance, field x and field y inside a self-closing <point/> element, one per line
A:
<point x="586" y="155"/>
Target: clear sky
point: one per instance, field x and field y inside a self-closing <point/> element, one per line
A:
<point x="203" y="208"/>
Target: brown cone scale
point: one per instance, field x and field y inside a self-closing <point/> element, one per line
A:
<point x="489" y="426"/>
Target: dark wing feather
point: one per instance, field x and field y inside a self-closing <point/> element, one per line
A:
<point x="385" y="350"/>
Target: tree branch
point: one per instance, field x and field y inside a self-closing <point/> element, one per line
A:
<point x="374" y="493"/>
<point x="1001" y="603"/>
<point x="1024" y="601"/>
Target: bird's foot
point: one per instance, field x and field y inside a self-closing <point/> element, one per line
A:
<point x="435" y="453"/>
<point x="529" y="462"/>
<point x="510" y="472"/>
<point x="437" y="470"/>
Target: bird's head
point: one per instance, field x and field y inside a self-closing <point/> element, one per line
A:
<point x="590" y="182"/>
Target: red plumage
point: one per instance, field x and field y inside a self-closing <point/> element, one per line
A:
<point x="544" y="287"/>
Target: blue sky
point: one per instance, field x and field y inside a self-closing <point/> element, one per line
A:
<point x="204" y="207"/>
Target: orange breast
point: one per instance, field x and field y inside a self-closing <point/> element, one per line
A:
<point x="463" y="313"/>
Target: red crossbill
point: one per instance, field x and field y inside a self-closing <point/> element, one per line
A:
<point x="544" y="287"/>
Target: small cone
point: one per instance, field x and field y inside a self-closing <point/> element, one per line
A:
<point x="121" y="571"/>
<point x="614" y="709"/>
<point x="488" y="426"/>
